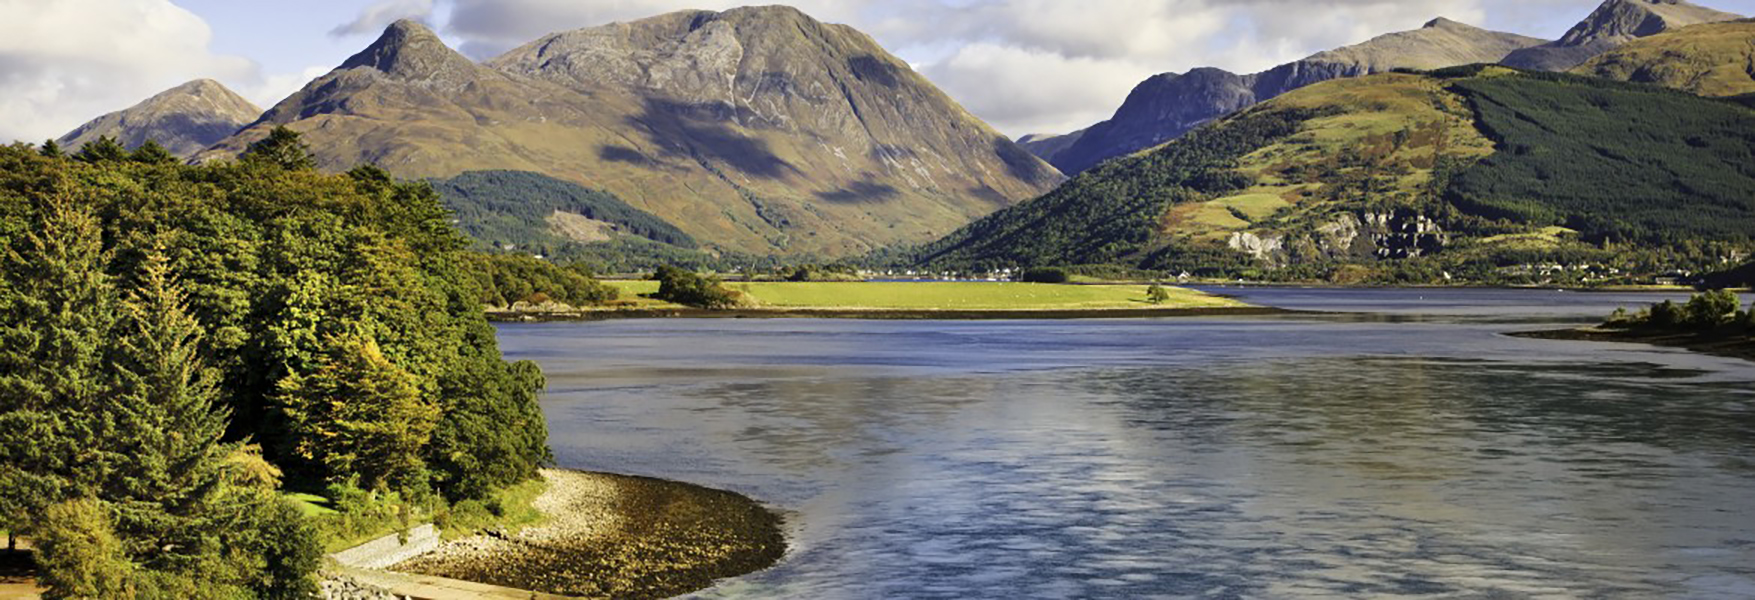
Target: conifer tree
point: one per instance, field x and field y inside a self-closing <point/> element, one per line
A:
<point x="165" y="419"/>
<point x="153" y="154"/>
<point x="282" y="148"/>
<point x="56" y="315"/>
<point x="52" y="149"/>
<point x="103" y="149"/>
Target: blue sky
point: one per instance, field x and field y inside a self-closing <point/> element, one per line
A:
<point x="1023" y="65"/>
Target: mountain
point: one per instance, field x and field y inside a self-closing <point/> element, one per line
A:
<point x="1166" y="106"/>
<point x="755" y="130"/>
<point x="1049" y="145"/>
<point x="1713" y="59"/>
<point x="1468" y="170"/>
<point x="1614" y="23"/>
<point x="185" y="119"/>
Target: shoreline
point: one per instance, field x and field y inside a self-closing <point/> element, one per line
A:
<point x="1704" y="344"/>
<point x="882" y="314"/>
<point x="1605" y="289"/>
<point x="618" y="536"/>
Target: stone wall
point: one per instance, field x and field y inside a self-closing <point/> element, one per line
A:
<point x="383" y="552"/>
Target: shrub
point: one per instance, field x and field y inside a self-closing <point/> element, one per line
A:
<point x="1711" y="309"/>
<point x="78" y="554"/>
<point x="289" y="551"/>
<point x="1665" y="314"/>
<point x="1157" y="294"/>
<point x="1045" y="275"/>
<point x="1620" y="319"/>
<point x="690" y="289"/>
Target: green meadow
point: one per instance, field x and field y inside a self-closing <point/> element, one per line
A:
<point x="945" y="295"/>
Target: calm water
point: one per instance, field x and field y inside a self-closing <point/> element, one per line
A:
<point x="1414" y="451"/>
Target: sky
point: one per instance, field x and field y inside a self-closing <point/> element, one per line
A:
<point x="1025" y="66"/>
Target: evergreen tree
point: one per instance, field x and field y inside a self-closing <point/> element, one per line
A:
<point x="358" y="418"/>
<point x="103" y="149"/>
<point x="56" y="316"/>
<point x="165" y="420"/>
<point x="153" y="154"/>
<point x="282" y="148"/>
<point x="52" y="149"/>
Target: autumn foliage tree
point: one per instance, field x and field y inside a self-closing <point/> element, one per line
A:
<point x="358" y="418"/>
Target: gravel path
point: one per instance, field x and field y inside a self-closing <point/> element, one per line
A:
<point x="613" y="536"/>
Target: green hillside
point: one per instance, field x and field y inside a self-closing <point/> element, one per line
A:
<point x="1617" y="162"/>
<point x="1713" y="59"/>
<point x="1474" y="171"/>
<point x="526" y="210"/>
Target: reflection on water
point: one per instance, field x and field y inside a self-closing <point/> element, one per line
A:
<point x="1280" y="457"/>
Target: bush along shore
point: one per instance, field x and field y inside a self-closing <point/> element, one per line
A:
<point x="1713" y="322"/>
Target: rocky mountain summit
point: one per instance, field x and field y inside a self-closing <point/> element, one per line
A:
<point x="1166" y="106"/>
<point x="185" y="119"/>
<point x="1614" y="23"/>
<point x="755" y="129"/>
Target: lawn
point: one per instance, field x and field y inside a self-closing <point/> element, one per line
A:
<point x="311" y="505"/>
<point x="950" y="295"/>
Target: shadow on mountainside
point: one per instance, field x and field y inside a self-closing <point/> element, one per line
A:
<point x="861" y="191"/>
<point x="702" y="131"/>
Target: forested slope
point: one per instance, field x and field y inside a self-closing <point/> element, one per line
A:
<point x="1469" y="171"/>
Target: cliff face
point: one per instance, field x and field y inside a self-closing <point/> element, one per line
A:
<point x="756" y="129"/>
<point x="1166" y="106"/>
<point x="1614" y="23"/>
<point x="185" y="119"/>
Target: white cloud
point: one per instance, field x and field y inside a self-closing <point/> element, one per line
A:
<point x="381" y="14"/>
<point x="1068" y="92"/>
<point x="65" y="62"/>
<point x="271" y="89"/>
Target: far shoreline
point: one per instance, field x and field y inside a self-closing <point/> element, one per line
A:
<point x="883" y="314"/>
<point x="1704" y="344"/>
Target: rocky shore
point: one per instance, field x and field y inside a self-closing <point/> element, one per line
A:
<point x="612" y="536"/>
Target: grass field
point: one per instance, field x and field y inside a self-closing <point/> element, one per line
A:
<point x="946" y="296"/>
<point x="311" y="505"/>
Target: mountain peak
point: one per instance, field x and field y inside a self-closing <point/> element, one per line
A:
<point x="409" y="50"/>
<point x="185" y="119"/>
<point x="1443" y="23"/>
<point x="199" y="86"/>
<point x="1614" y="23"/>
<point x="1622" y="20"/>
<point x="773" y="11"/>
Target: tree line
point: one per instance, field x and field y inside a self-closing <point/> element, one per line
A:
<point x="183" y="343"/>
